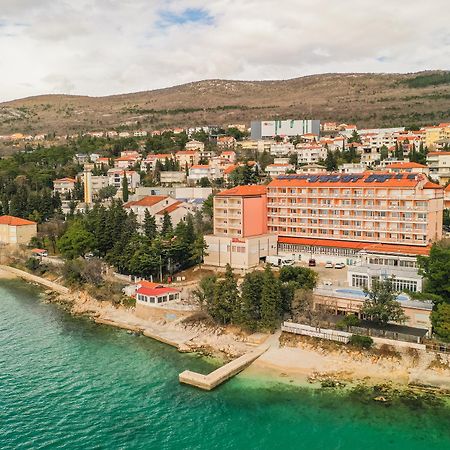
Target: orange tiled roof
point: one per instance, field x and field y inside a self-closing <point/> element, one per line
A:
<point x="405" y="165"/>
<point x="170" y="208"/>
<point x="430" y="185"/>
<point x="438" y="153"/>
<point x="62" y="180"/>
<point x="150" y="200"/>
<point x="243" y="191"/>
<point x="15" y="221"/>
<point x="230" y="169"/>
<point x="366" y="246"/>
<point x="200" y="166"/>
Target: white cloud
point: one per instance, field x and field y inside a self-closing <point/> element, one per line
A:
<point x="100" y="47"/>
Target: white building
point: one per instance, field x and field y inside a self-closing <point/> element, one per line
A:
<point x="282" y="149"/>
<point x="309" y="154"/>
<point x="115" y="178"/>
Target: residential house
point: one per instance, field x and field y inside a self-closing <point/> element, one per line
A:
<point x="14" y="230"/>
<point x="115" y="178"/>
<point x="274" y="170"/>
<point x="195" y="145"/>
<point x="64" y="185"/>
<point x="229" y="155"/>
<point x="439" y="164"/>
<point x="226" y="142"/>
<point x="187" y="158"/>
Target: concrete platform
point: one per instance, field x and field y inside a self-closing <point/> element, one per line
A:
<point x="218" y="376"/>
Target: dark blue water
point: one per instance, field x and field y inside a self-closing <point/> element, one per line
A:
<point x="67" y="383"/>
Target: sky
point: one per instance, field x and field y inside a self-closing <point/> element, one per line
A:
<point x="102" y="47"/>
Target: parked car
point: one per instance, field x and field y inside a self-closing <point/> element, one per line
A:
<point x="329" y="265"/>
<point x="328" y="283"/>
<point x="312" y="263"/>
<point x="339" y="265"/>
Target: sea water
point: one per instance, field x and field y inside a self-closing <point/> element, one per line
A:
<point x="68" y="383"/>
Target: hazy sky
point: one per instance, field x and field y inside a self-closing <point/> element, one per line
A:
<point x="99" y="47"/>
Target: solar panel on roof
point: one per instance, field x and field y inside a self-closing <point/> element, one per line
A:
<point x="412" y="176"/>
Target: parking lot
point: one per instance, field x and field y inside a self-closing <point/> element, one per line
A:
<point x="338" y="277"/>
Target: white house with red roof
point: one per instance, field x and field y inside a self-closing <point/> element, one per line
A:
<point x="152" y="203"/>
<point x="229" y="155"/>
<point x="274" y="170"/>
<point x="199" y="171"/>
<point x="151" y="296"/>
<point x="226" y="142"/>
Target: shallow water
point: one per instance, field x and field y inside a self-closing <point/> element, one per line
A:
<point x="68" y="383"/>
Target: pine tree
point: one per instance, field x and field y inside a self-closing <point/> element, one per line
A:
<point x="167" y="228"/>
<point x="270" y="300"/>
<point x="149" y="225"/>
<point x="251" y="290"/>
<point x="125" y="191"/>
<point x="226" y="298"/>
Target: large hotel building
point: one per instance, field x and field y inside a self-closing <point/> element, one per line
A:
<point x="376" y="223"/>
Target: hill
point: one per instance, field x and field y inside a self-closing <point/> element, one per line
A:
<point x="366" y="99"/>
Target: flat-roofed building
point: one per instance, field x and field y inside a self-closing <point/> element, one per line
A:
<point x="439" y="164"/>
<point x="64" y="185"/>
<point x="240" y="229"/>
<point x="15" y="230"/>
<point x="285" y="128"/>
<point x="404" y="209"/>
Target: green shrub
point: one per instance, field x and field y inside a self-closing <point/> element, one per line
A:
<point x="361" y="341"/>
<point x="32" y="264"/>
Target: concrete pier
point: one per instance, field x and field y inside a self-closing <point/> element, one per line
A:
<point x="218" y="376"/>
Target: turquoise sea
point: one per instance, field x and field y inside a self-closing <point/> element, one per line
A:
<point x="67" y="383"/>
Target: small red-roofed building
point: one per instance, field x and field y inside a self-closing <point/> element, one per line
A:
<point x="15" y="230"/>
<point x="229" y="155"/>
<point x="274" y="170"/>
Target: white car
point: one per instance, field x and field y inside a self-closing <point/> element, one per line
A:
<point x="329" y="265"/>
<point x="339" y="265"/>
<point x="328" y="283"/>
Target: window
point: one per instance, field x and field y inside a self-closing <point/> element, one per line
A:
<point x="360" y="281"/>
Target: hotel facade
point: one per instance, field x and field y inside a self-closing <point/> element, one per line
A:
<point x="377" y="224"/>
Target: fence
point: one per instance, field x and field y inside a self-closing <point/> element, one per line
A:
<point x="322" y="333"/>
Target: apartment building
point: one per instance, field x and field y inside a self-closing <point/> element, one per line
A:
<point x="276" y="169"/>
<point x="169" y="177"/>
<point x="282" y="149"/>
<point x="435" y="134"/>
<point x="400" y="209"/>
<point x="310" y="154"/>
<point x="199" y="171"/>
<point x="287" y="128"/>
<point x="64" y="185"/>
<point x="439" y="164"/>
<point x="149" y="163"/>
<point x="195" y="145"/>
<point x="240" y="229"/>
<point x="259" y="146"/>
<point x="115" y="177"/>
<point x="187" y="157"/>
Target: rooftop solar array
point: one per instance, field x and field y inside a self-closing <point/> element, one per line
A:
<point x="349" y="178"/>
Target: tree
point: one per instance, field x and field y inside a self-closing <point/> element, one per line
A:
<point x="270" y="300"/>
<point x="330" y="162"/>
<point x="436" y="269"/>
<point x="303" y="277"/>
<point x="208" y="206"/>
<point x="107" y="192"/>
<point x="150" y="229"/>
<point x="355" y="137"/>
<point x="303" y="305"/>
<point x="227" y="298"/>
<point x="251" y="291"/>
<point x="381" y="305"/>
<point x="440" y="318"/>
<point x="125" y="191"/>
<point x="384" y="153"/>
<point x="76" y="241"/>
<point x="167" y="228"/>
